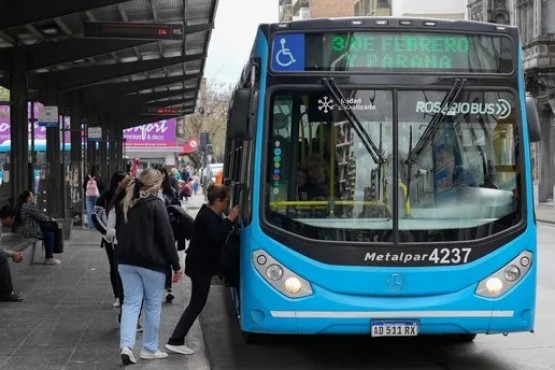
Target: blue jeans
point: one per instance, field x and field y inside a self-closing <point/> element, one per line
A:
<point x="91" y="201"/>
<point x="48" y="240"/>
<point x="140" y="284"/>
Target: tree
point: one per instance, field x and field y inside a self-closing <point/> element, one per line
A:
<point x="4" y="94"/>
<point x="211" y="115"/>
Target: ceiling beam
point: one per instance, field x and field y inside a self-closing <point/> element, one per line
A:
<point x="107" y="91"/>
<point x="81" y="77"/>
<point x="132" y="109"/>
<point x="46" y="54"/>
<point x="137" y="99"/>
<point x="21" y="12"/>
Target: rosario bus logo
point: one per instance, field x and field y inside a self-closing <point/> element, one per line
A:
<point x="501" y="109"/>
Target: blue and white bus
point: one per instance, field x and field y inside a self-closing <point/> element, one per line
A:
<point x="383" y="170"/>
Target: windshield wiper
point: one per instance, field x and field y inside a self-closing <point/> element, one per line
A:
<point x="432" y="127"/>
<point x="436" y="120"/>
<point x="376" y="154"/>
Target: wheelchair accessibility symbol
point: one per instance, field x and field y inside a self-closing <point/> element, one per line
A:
<point x="288" y="52"/>
<point x="284" y="57"/>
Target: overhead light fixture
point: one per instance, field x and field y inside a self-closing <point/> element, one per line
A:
<point x="49" y="29"/>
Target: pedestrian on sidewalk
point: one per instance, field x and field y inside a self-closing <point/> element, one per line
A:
<point x="7" y="215"/>
<point x="111" y="235"/>
<point x="169" y="196"/>
<point x="145" y="249"/>
<point x="31" y="223"/>
<point x="92" y="187"/>
<point x="100" y="220"/>
<point x="209" y="233"/>
<point x="196" y="182"/>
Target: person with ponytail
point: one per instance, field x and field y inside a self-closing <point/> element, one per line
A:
<point x="145" y="250"/>
<point x="210" y="230"/>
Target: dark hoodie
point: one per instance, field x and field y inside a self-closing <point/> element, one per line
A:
<point x="209" y="234"/>
<point x="146" y="239"/>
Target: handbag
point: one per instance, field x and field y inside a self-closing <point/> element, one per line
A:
<point x="58" y="240"/>
<point x="54" y="227"/>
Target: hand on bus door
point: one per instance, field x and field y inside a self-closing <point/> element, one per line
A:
<point x="233" y="214"/>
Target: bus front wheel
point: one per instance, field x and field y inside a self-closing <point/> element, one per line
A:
<point x="461" y="338"/>
<point x="252" y="338"/>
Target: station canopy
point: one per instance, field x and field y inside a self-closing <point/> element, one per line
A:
<point x="126" y="63"/>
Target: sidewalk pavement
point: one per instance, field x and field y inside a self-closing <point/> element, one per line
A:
<point x="67" y="321"/>
<point x="545" y="212"/>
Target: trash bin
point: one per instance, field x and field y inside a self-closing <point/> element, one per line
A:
<point x="65" y="224"/>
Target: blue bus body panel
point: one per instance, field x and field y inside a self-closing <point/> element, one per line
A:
<point x="345" y="299"/>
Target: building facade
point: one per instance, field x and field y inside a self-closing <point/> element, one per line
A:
<point x="534" y="19"/>
<point x="496" y="11"/>
<point x="446" y="9"/>
<point x="305" y="9"/>
<point x="378" y="8"/>
<point x="285" y="10"/>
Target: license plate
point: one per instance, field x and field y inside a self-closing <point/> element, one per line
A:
<point x="394" y="328"/>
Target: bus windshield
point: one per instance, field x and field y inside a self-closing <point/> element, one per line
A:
<point x="448" y="179"/>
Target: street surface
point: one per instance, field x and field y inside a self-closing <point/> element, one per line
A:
<point x="522" y="351"/>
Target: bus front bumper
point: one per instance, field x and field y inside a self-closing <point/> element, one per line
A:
<point x="265" y="310"/>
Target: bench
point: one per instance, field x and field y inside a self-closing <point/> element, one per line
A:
<point x="17" y="243"/>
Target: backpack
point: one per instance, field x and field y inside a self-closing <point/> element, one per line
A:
<point x="182" y="224"/>
<point x="92" y="188"/>
<point x="187" y="191"/>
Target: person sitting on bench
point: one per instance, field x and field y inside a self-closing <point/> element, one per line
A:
<point x="31" y="223"/>
<point x="7" y="215"/>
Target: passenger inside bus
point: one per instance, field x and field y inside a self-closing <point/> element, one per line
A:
<point x="316" y="187"/>
<point x="302" y="179"/>
<point x="449" y="173"/>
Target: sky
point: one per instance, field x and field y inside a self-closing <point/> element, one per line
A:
<point x="233" y="36"/>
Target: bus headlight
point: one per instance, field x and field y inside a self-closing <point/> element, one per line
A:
<point x="512" y="273"/>
<point x="279" y="276"/>
<point x="506" y="277"/>
<point x="293" y="285"/>
<point x="494" y="285"/>
<point x="274" y="272"/>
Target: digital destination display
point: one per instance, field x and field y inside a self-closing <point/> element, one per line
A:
<point x="387" y="51"/>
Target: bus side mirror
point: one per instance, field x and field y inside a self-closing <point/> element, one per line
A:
<point x="533" y="120"/>
<point x="242" y="115"/>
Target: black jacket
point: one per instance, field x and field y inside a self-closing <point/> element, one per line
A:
<point x="146" y="240"/>
<point x="210" y="231"/>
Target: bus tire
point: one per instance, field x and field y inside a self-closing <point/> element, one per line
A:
<point x="461" y="338"/>
<point x="252" y="338"/>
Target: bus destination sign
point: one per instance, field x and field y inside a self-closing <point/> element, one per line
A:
<point x="400" y="51"/>
<point x="391" y="51"/>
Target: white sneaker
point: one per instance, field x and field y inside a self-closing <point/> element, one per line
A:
<point x="127" y="356"/>
<point x="182" y="349"/>
<point x="52" y="261"/>
<point x="116" y="303"/>
<point x="148" y="355"/>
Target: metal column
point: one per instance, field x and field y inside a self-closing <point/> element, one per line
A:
<point x="19" y="154"/>
<point x="102" y="160"/>
<point x="76" y="167"/>
<point x="54" y="174"/>
<point x="547" y="152"/>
